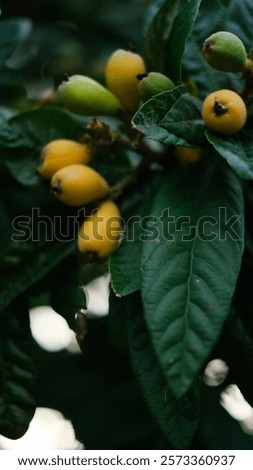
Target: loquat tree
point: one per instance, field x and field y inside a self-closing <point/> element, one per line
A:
<point x="148" y="147"/>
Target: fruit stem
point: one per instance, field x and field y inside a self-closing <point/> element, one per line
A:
<point x="131" y="47"/>
<point x="148" y="157"/>
<point x="129" y="180"/>
<point x="140" y="76"/>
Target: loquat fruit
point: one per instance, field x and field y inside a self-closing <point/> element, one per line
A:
<point x="224" y="51"/>
<point x="153" y="83"/>
<point x="77" y="185"/>
<point x="224" y="112"/>
<point x="85" y="96"/>
<point x="60" y="153"/>
<point x="100" y="233"/>
<point x="187" y="155"/>
<point x="121" y="73"/>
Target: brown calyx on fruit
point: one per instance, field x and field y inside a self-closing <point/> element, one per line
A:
<point x="219" y="108"/>
<point x="56" y="188"/>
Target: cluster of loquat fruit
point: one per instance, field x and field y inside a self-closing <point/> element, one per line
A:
<point x="66" y="162"/>
<point x="73" y="182"/>
<point x="128" y="85"/>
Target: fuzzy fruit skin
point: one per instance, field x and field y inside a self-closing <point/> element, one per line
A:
<point x="121" y="73"/>
<point x="153" y="84"/>
<point x="77" y="185"/>
<point x="60" y="153"/>
<point x="187" y="155"/>
<point x="224" y="112"/>
<point x="224" y="51"/>
<point x="85" y="96"/>
<point x="100" y="233"/>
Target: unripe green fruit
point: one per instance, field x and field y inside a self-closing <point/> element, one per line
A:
<point x="154" y="83"/>
<point x="224" y="51"/>
<point x="85" y="96"/>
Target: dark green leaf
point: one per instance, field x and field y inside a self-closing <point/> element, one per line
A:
<point x="12" y="33"/>
<point x="159" y="22"/>
<point x="237" y="150"/>
<point x="189" y="272"/>
<point x="67" y="295"/>
<point x="112" y="165"/>
<point x="172" y="119"/>
<point x="227" y="15"/>
<point x="200" y="75"/>
<point x="170" y="24"/>
<point x="17" y="372"/>
<point x="24" y="135"/>
<point x="125" y="263"/>
<point x="25" y="263"/>
<point x="5" y="226"/>
<point x="180" y="33"/>
<point x="177" y="418"/>
<point x="156" y="109"/>
<point x="6" y="113"/>
<point x="239" y="20"/>
<point x="195" y="67"/>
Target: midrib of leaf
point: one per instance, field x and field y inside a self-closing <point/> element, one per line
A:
<point x="167" y="410"/>
<point x="179" y="340"/>
<point x="188" y="291"/>
<point x="192" y="257"/>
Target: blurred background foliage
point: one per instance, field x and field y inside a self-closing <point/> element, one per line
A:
<point x="65" y="37"/>
<point x="100" y="397"/>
